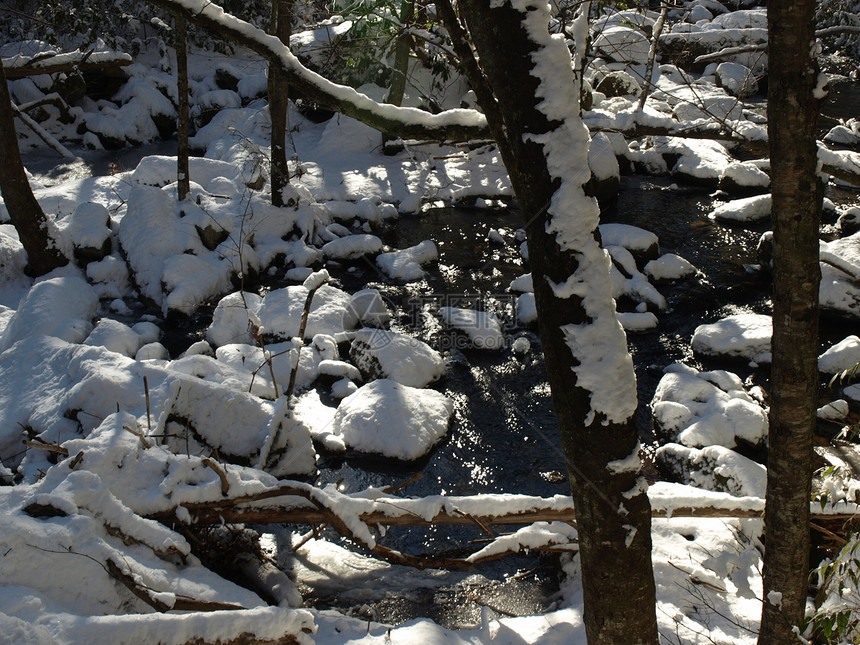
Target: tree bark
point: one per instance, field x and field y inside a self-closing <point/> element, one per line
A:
<point x="282" y="16"/>
<point x="182" y="171"/>
<point x="612" y="510"/>
<point x="43" y="255"/>
<point x="796" y="212"/>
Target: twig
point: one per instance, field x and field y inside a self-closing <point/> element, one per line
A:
<point x="652" y="55"/>
<point x="294" y="372"/>
<point x="139" y="435"/>
<point x="225" y="485"/>
<point x="44" y="445"/>
<point x="415" y="477"/>
<point x="146" y="392"/>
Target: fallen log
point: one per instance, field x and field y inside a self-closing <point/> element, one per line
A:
<point x="23" y="66"/>
<point x="290" y="505"/>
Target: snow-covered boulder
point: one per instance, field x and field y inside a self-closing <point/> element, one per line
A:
<point x="708" y="408"/>
<point x="605" y="173"/>
<point x="166" y="254"/>
<point x="747" y="209"/>
<point x="744" y="177"/>
<point x="736" y="336"/>
<point x="351" y="247"/>
<point x="406" y="360"/>
<point x="63" y="307"/>
<point x="483" y="329"/>
<point x="393" y="420"/>
<point x="842" y="356"/>
<point x="849" y="221"/>
<point x="669" y="267"/>
<point x="232" y="317"/>
<point x="406" y="264"/>
<point x="643" y="245"/>
<point x="713" y="468"/>
<point x="622" y="44"/>
<point x="840" y="276"/>
<point x="280" y="313"/>
<point x="115" y="336"/>
<point x="88" y="230"/>
<point x="13" y="257"/>
<point x="738" y="80"/>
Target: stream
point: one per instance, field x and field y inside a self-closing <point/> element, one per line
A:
<point x="503" y="436"/>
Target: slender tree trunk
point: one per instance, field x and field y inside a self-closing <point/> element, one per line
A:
<point x="401" y="55"/>
<point x="27" y="216"/>
<point x="182" y="171"/>
<point x="796" y="212"/>
<point x="401" y="62"/>
<point x="545" y="147"/>
<point x="282" y="16"/>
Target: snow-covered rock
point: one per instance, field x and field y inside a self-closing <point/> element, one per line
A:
<point x="715" y="468"/>
<point x="748" y="209"/>
<point x="393" y="420"/>
<point x="623" y="44"/>
<point x="707" y="408"/>
<point x="280" y="313"/>
<point x="483" y="329"/>
<point x="644" y="245"/>
<point x="736" y="336"/>
<point x="406" y="360"/>
<point x="744" y="177"/>
<point x="115" y="336"/>
<point x="406" y="264"/>
<point x="88" y="230"/>
<point x="842" y="356"/>
<point x="669" y="267"/>
<point x="738" y="80"/>
<point x="352" y="247"/>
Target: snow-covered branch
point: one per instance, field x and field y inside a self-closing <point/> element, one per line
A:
<point x="412" y="123"/>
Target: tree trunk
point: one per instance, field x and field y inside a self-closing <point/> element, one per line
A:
<point x="27" y="216"/>
<point x="792" y="112"/>
<point x="589" y="368"/>
<point x="182" y="172"/>
<point x="282" y="16"/>
<point x="401" y="63"/>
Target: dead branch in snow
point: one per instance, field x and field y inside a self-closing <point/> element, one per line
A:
<point x="152" y="597"/>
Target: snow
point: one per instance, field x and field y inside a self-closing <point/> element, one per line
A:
<point x="352" y="247"/>
<point x="669" y="267"/>
<point x="483" y="328"/>
<point x="68" y="376"/>
<point x="63" y="307"/>
<point x="749" y="209"/>
<point x="398" y="357"/>
<point x="843" y="355"/>
<point x="393" y="420"/>
<point x="706" y="409"/>
<point x="739" y="336"/>
<point x="406" y="264"/>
